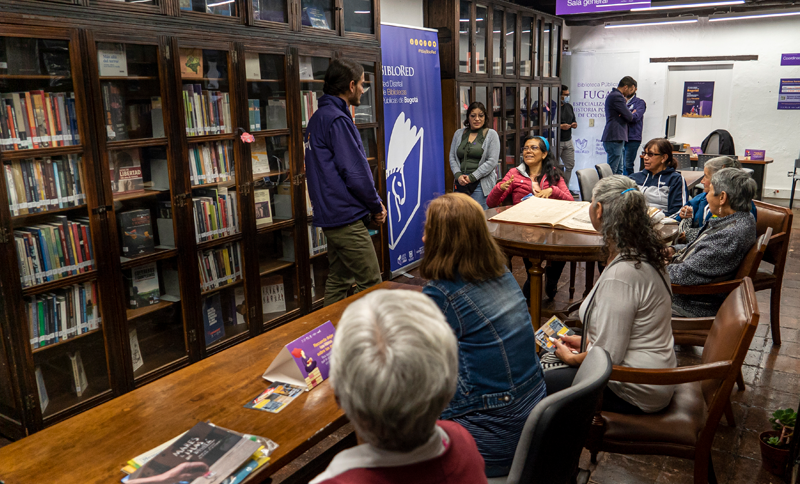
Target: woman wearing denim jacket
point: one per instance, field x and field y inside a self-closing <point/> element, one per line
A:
<point x="499" y="376"/>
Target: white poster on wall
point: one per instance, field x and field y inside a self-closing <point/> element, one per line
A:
<point x="592" y="76"/>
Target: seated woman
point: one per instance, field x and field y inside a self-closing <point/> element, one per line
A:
<point x="499" y="376"/>
<point x="694" y="215"/>
<point x="394" y="366"/>
<point x="718" y="249"/>
<point x="628" y="312"/>
<point x="663" y="187"/>
<point x="539" y="176"/>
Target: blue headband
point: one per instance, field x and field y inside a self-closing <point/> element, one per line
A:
<point x="546" y="144"/>
<point x="626" y="191"/>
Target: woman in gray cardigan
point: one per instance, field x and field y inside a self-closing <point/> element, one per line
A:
<point x="474" y="153"/>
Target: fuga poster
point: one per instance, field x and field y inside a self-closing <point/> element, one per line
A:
<point x="412" y="116"/>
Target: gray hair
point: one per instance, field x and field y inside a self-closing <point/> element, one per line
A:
<point x="737" y="184"/>
<point x="394" y="367"/>
<point x="626" y="222"/>
<point x="722" y="162"/>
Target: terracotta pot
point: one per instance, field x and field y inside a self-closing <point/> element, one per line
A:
<point x="774" y="460"/>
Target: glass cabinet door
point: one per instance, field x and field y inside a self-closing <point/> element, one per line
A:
<point x="270" y="10"/>
<point x="359" y="16"/>
<point x="537" y="53"/>
<point x="510" y="109"/>
<point x="481" y="97"/>
<point x="511" y="43"/>
<point x="312" y="78"/>
<point x="464" y="29"/>
<point x="266" y="91"/>
<point x="497" y="109"/>
<point x="497" y="42"/>
<point x="536" y="106"/>
<point x="525" y="54"/>
<point x="278" y="274"/>
<point x="523" y="107"/>
<point x="464" y="100"/>
<point x="546" y="52"/>
<point x="481" y="37"/>
<point x="318" y="14"/>
<point x="555" y="49"/>
<point x="226" y="8"/>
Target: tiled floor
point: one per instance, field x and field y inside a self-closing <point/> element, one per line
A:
<point x="771" y="373"/>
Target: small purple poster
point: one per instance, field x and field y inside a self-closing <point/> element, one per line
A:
<point x="790" y="59"/>
<point x="567" y="7"/>
<point x="789" y="94"/>
<point x="698" y="99"/>
<point x="306" y="360"/>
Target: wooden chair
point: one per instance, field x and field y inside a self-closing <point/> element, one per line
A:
<point x="603" y="170"/>
<point x="780" y="220"/>
<point x="687" y="426"/>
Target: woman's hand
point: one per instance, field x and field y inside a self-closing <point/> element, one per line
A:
<point x="544" y="193"/>
<point x="463" y="180"/>
<point x="686" y="211"/>
<point x="504" y="186"/>
<point x="669" y="252"/>
<point x="564" y="351"/>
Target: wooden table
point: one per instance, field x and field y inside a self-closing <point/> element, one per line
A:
<point x="541" y="243"/>
<point x="692" y="178"/>
<point x="95" y="445"/>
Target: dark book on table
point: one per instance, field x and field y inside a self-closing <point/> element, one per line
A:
<point x="212" y="319"/>
<point x="136" y="233"/>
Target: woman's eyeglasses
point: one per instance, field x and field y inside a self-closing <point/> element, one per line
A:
<point x="650" y="154"/>
<point x="530" y="148"/>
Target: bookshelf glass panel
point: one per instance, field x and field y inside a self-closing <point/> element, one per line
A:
<point x="37" y="98"/>
<point x="497" y="109"/>
<point x="131" y="91"/>
<point x="224" y="315"/>
<point x="212" y="164"/>
<point x="277" y="270"/>
<point x="481" y="37"/>
<point x="546" y="71"/>
<point x="525" y="47"/>
<point x="536" y="52"/>
<point x="226" y="8"/>
<point x="463" y="37"/>
<point x="511" y="43"/>
<point x="497" y="42"/>
<point x="554" y="49"/>
<point x="319" y="276"/>
<point x="312" y="78"/>
<point x="272" y="189"/>
<point x="216" y="213"/>
<point x="270" y="10"/>
<point x="523" y="106"/>
<point x="481" y="96"/>
<point x="8" y="405"/>
<point x="266" y="91"/>
<point x="206" y="98"/>
<point x="318" y="14"/>
<point x="464" y="97"/>
<point x="547" y="114"/>
<point x="510" y="108"/>
<point x="46" y="184"/>
<point x="365" y="111"/>
<point x="535" y="107"/>
<point x="358" y="16"/>
<point x="371" y="151"/>
<point x="511" y="152"/>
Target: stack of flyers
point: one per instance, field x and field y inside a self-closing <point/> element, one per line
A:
<point x="550" y="331"/>
<point x="275" y="397"/>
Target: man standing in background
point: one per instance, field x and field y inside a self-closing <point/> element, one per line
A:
<point x="637" y="107"/>
<point x="615" y="133"/>
<point x="568" y="123"/>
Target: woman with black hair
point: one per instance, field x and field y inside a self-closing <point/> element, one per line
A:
<point x="536" y="176"/>
<point x="474" y="153"/>
<point x="662" y="185"/>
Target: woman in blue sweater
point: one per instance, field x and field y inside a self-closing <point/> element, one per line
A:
<point x="662" y="186"/>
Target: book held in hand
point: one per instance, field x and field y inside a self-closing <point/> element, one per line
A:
<point x="551" y="330"/>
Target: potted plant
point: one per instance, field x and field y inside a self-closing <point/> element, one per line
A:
<point x="775" y="442"/>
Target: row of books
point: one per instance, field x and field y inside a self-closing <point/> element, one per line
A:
<point x="207" y="112"/>
<point x="275" y="114"/>
<point x="308" y="105"/>
<point x="62" y="314"/>
<point x="215" y="213"/>
<point x="254" y="114"/>
<point x="211" y="162"/>
<point x="41" y="184"/>
<point x="50" y="251"/>
<point x="221" y="309"/>
<point x="317" y="242"/>
<point x="37" y="119"/>
<point x="78" y="383"/>
<point x="220" y="266"/>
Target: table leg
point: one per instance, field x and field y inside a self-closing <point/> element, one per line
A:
<point x="589" y="277"/>
<point x="535" y="308"/>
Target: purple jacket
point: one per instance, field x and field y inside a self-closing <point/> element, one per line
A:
<point x="635" y="128"/>
<point x="340" y="183"/>
<point x="617" y="117"/>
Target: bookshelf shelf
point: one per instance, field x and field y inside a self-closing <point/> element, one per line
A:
<point x="60" y="283"/>
<point x="138" y="313"/>
<point x="221" y="288"/>
<point x="267" y="80"/>
<point x="226" y="183"/>
<point x="210" y="137"/>
<point x="32" y="77"/>
<point x="66" y="341"/>
<point x="317" y="256"/>
<point x="194" y="79"/>
<point x="32" y="218"/>
<point x="270" y="267"/>
<point x="277" y="225"/>
<point x="313" y="81"/>
<point x="278" y="318"/>
<point x="210" y="244"/>
<point x="260" y="176"/>
<point x="128" y="78"/>
<point x="163" y="365"/>
<point x="66" y="402"/>
<point x="126" y="197"/>
<point x="41" y="152"/>
<point x="159" y="254"/>
<point x="136" y="143"/>
<point x="268" y="133"/>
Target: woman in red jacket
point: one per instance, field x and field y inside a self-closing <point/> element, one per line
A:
<point x="536" y="176"/>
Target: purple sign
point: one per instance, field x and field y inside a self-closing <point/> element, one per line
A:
<point x="698" y="99"/>
<point x="567" y="7"/>
<point x="306" y="360"/>
<point x="790" y="59"/>
<point x="789" y="94"/>
<point x="755" y="155"/>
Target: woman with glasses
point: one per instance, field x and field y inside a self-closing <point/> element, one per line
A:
<point x="536" y="176"/>
<point x="663" y="187"/>
<point x="474" y="153"/>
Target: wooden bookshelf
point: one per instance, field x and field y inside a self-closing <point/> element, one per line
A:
<point x="145" y="112"/>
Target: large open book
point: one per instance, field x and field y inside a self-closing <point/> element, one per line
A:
<point x="558" y="214"/>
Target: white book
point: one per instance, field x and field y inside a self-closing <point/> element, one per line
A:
<point x="273" y="299"/>
<point x="239" y="301"/>
<point x="43" y="399"/>
<point x="263" y="208"/>
<point x="79" y="382"/>
<point x="136" y="352"/>
<point x="252" y="65"/>
<point x="111" y="60"/>
<point x="259" y="156"/>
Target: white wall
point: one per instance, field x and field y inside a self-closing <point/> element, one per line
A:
<point x="402" y="12"/>
<point x="754" y="120"/>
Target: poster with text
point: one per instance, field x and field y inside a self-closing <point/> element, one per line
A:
<point x="412" y="116"/>
<point x="789" y="94"/>
<point x="698" y="99"/>
<point x="567" y="7"/>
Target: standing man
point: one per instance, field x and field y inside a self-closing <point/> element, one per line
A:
<point x="568" y="123"/>
<point x="637" y="107"/>
<point x="340" y="183"/>
<point x="615" y="134"/>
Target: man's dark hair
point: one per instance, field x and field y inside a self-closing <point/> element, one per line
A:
<point x="627" y="81"/>
<point x="564" y="87"/>
<point x="339" y="75"/>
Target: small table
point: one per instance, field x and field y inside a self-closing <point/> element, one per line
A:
<point x="692" y="178"/>
<point x="96" y="444"/>
<point x="542" y="243"/>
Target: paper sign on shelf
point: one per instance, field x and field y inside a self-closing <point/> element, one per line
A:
<point x="306" y="360"/>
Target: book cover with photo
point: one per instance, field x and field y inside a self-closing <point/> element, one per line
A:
<point x="126" y="171"/>
<point x="136" y="233"/>
<point x="143" y="288"/>
<point x="263" y="208"/>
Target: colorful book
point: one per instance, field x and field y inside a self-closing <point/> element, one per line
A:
<point x="136" y="233"/>
<point x="143" y="288"/>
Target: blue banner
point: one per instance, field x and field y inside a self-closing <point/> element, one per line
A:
<point x="412" y="117"/>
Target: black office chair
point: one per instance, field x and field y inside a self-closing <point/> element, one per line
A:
<point x="603" y="170"/>
<point x="684" y="161"/>
<point x="555" y="432"/>
<point x="587" y="179"/>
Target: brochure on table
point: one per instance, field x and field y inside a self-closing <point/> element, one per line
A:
<point x="306" y="360"/>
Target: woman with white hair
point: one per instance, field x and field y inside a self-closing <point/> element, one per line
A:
<point x="393" y="370"/>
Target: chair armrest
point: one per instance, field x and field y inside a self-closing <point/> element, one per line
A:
<point x="692" y="324"/>
<point x="714" y="288"/>
<point x="671" y="376"/>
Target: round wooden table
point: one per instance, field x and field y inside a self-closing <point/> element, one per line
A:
<point x="542" y="243"/>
